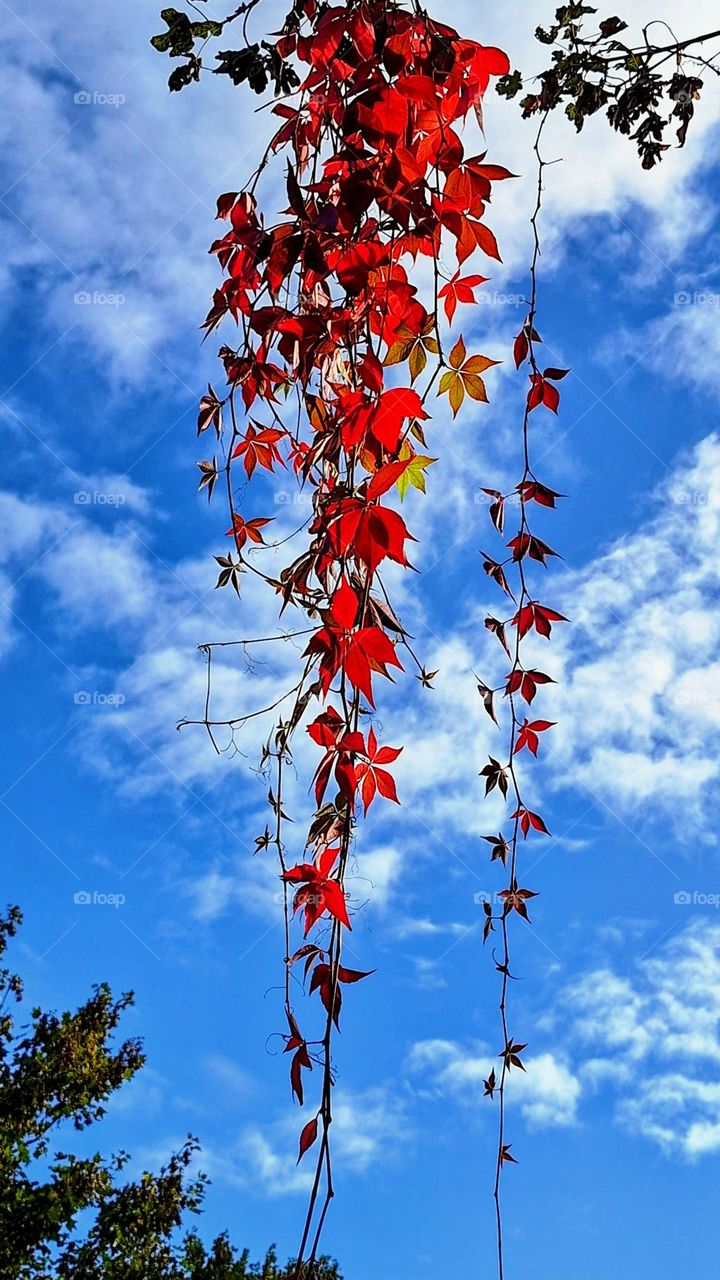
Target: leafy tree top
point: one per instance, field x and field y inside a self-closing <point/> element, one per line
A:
<point x="64" y="1217"/>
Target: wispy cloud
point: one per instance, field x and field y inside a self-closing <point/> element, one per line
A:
<point x="547" y="1092"/>
<point x="649" y="1038"/>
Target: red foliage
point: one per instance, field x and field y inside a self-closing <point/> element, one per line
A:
<point x="376" y="178"/>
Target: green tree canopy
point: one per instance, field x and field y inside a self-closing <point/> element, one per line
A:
<point x="65" y="1217"/>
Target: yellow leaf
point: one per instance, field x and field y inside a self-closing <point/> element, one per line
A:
<point x="457" y="355"/>
<point x="474" y="386"/>
<point x="397" y="353"/>
<point x="478" y="364"/>
<point x="414" y="474"/>
<point x="417" y="361"/>
<point x="457" y="394"/>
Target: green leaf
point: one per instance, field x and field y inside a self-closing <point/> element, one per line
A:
<point x="414" y="475"/>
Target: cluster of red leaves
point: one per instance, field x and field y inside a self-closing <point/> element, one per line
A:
<point x="353" y="764"/>
<point x="376" y="179"/>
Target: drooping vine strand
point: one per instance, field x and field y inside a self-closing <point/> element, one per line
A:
<point x="520" y="685"/>
<point x="338" y="361"/>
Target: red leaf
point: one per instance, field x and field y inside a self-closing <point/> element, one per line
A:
<point x="386" y="477"/>
<point x="344" y="605"/>
<point x="300" y="1059"/>
<point x="537" y="616"/>
<point x="392" y="409"/>
<point x="352" y="975"/>
<point x="373" y="779"/>
<point x="459" y="289"/>
<point x="308" y="1137"/>
<point x="520" y="348"/>
<point x="335" y="902"/>
<point x="528" y="735"/>
<point x="529" y="819"/>
<point x="542" y="392"/>
<point x="354" y="266"/>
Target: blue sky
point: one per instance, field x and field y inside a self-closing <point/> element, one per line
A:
<point x="107" y="587"/>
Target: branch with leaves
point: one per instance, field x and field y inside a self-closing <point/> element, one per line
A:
<point x="257" y="63"/>
<point x="644" y="88"/>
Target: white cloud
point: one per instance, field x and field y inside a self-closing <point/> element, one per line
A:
<point x="376" y="872"/>
<point x="669" y="1008"/>
<point x="682" y="345"/>
<point x="638" y="695"/>
<point x="103" y="580"/>
<point x="646" y="1041"/>
<point x="30" y="530"/>
<point x="637" y="700"/>
<point x="133" y="186"/>
<point x="678" y="1114"/>
<point x="654" y="1035"/>
<point x="421" y="927"/>
<point x="268" y="1169"/>
<point x="212" y="893"/>
<point x="369" y="1127"/>
<point x="547" y="1092"/>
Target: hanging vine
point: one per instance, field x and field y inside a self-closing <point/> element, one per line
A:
<point x="377" y="181"/>
<point x="520" y="686"/>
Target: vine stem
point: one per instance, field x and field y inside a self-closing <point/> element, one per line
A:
<point x="523" y="598"/>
